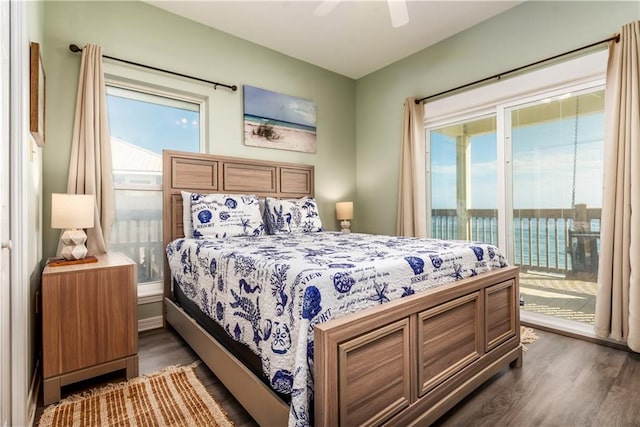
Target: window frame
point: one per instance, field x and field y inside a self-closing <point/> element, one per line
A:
<point x="505" y="181"/>
<point x="482" y="114"/>
<point x="131" y="78"/>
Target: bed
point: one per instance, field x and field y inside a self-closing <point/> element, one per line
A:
<point x="426" y="350"/>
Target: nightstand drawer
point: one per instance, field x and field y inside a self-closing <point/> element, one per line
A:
<point x="89" y="315"/>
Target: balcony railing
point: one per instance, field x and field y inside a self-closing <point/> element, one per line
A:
<point x="545" y="240"/>
<point x="138" y="234"/>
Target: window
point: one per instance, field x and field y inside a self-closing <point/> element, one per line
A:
<point x="519" y="163"/>
<point x="463" y="181"/>
<point x="142" y="124"/>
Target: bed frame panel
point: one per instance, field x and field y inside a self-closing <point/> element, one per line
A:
<point x="447" y="344"/>
<point x="403" y="363"/>
<point x="387" y="373"/>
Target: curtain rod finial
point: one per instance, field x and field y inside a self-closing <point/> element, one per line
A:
<point x="234" y="88"/>
<point x="74" y="48"/>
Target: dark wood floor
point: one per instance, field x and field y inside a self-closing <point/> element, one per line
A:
<point x="163" y="347"/>
<point x="563" y="382"/>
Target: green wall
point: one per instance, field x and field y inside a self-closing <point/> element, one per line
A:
<point x="143" y="33"/>
<point x="527" y="33"/>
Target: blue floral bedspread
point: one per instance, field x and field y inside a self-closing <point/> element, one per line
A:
<point x="269" y="291"/>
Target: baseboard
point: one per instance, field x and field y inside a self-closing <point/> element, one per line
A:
<point x="149" y="323"/>
<point x="34" y="391"/>
<point x="568" y="328"/>
<point x="149" y="293"/>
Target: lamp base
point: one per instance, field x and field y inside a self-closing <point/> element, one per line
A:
<point x="74" y="252"/>
<point x="346" y="225"/>
<point x="74" y="247"/>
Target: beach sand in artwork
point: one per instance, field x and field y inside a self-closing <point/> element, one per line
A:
<point x="290" y="139"/>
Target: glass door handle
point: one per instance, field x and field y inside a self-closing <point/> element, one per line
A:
<point x="7" y="245"/>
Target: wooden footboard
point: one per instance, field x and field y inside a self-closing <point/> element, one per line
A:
<point x="406" y="362"/>
<point x="411" y="360"/>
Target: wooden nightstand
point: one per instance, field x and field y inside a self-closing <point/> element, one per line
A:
<point x="89" y="321"/>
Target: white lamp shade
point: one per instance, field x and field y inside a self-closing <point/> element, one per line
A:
<point x="344" y="210"/>
<point x="72" y="210"/>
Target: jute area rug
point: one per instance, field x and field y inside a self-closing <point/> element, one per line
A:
<point x="527" y="336"/>
<point x="172" y="397"/>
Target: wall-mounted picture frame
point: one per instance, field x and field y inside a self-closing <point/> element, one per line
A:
<point x="276" y="120"/>
<point x="37" y="95"/>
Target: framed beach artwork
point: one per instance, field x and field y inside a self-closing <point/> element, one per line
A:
<point x="275" y="120"/>
<point x="36" y="96"/>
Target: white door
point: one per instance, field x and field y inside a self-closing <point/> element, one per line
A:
<point x="5" y="252"/>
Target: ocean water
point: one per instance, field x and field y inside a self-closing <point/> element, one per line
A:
<point x="275" y="122"/>
<point x="540" y="244"/>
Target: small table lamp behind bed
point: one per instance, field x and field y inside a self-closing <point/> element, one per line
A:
<point x="344" y="212"/>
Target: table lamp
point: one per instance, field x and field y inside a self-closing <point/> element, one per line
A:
<point x="344" y="212"/>
<point x="72" y="213"/>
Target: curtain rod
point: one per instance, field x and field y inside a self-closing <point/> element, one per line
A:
<point x="499" y="76"/>
<point x="75" y="49"/>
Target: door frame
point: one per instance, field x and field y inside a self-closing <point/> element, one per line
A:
<point x="5" y="235"/>
<point x="23" y="403"/>
<point x="579" y="74"/>
<point x="505" y="181"/>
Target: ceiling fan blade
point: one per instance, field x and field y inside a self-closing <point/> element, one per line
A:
<point x="398" y="13"/>
<point x="326" y="7"/>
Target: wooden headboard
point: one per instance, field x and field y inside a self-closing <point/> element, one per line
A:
<point x="206" y="173"/>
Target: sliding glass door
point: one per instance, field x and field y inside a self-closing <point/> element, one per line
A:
<point x="528" y="178"/>
<point x="556" y="146"/>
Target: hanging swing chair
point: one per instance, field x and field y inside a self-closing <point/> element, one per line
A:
<point x="582" y="242"/>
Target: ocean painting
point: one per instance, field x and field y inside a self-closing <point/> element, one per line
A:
<point x="275" y="120"/>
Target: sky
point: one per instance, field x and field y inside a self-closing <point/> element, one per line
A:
<point x="273" y="105"/>
<point x="542" y="162"/>
<point x="153" y="126"/>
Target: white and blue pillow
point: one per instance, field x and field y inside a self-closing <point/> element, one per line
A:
<point x="187" y="225"/>
<point x="292" y="215"/>
<point x="225" y="215"/>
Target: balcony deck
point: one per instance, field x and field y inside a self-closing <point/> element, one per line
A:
<point x="559" y="297"/>
<point x="556" y="249"/>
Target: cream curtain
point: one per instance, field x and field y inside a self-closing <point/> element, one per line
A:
<point x="618" y="295"/>
<point x="90" y="169"/>
<point x="412" y="215"/>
